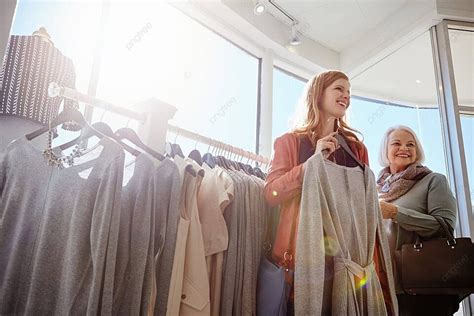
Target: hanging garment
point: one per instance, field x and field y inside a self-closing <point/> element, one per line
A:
<point x="189" y="286"/>
<point x="58" y="231"/>
<point x="245" y="218"/>
<point x="134" y="267"/>
<point x="168" y="184"/>
<point x="254" y="233"/>
<point x="340" y="217"/>
<point x="195" y="296"/>
<point x="30" y="65"/>
<point x="231" y="215"/>
<point x="13" y="127"/>
<point x="215" y="193"/>
<point x="147" y="199"/>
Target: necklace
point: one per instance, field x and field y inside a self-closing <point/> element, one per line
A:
<point x="60" y="161"/>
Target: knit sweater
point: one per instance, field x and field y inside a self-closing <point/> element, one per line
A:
<point x="340" y="217"/>
<point x="429" y="197"/>
<point x="58" y="231"/>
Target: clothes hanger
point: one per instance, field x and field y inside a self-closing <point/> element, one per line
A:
<point x="209" y="159"/>
<point x="177" y="150"/>
<point x="87" y="132"/>
<point x="69" y="114"/>
<point x="196" y="155"/>
<point x="170" y="151"/>
<point x="342" y="142"/>
<point x="130" y="135"/>
<point x="99" y="129"/>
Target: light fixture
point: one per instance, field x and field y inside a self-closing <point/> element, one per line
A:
<point x="418" y="81"/>
<point x="295" y="39"/>
<point x="259" y="8"/>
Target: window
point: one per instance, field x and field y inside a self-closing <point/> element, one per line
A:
<point x="467" y="124"/>
<point x="462" y="50"/>
<point x="154" y="50"/>
<point x="287" y="90"/>
<point x="72" y="26"/>
<point x="400" y="90"/>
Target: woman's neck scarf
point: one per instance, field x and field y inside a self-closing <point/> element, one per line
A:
<point x="392" y="186"/>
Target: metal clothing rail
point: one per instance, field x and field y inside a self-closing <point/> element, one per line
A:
<point x="218" y="144"/>
<point x="55" y="90"/>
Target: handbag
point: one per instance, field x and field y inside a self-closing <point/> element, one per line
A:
<point x="443" y="266"/>
<point x="274" y="280"/>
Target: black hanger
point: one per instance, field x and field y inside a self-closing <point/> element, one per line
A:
<point x="343" y="144"/>
<point x="170" y="150"/>
<point x="222" y="161"/>
<point x="259" y="173"/>
<point x="99" y="129"/>
<point x="130" y="135"/>
<point x="209" y="159"/>
<point x="87" y="132"/>
<point x="177" y="150"/>
<point x="196" y="156"/>
<point x="69" y="114"/>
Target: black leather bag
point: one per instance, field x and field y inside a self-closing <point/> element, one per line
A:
<point x="443" y="266"/>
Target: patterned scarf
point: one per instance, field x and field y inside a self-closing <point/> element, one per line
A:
<point x="392" y="186"/>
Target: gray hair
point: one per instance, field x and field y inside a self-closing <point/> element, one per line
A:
<point x="383" y="158"/>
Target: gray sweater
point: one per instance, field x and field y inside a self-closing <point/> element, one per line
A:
<point x="429" y="196"/>
<point x="167" y="186"/>
<point x="134" y="269"/>
<point x="340" y="218"/>
<point x="58" y="231"/>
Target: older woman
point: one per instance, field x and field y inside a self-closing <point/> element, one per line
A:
<point x="410" y="196"/>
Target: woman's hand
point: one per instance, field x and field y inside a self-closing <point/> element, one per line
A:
<point x="389" y="210"/>
<point x="328" y="143"/>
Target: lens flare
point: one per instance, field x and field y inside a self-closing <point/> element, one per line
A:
<point x="329" y="246"/>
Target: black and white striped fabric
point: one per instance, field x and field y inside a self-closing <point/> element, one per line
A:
<point x="29" y="66"/>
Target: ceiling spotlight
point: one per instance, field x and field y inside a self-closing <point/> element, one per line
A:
<point x="295" y="39"/>
<point x="259" y="8"/>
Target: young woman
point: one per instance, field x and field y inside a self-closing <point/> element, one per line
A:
<point x="327" y="100"/>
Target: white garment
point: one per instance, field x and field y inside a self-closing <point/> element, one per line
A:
<point x="189" y="288"/>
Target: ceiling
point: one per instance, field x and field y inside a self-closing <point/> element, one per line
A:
<point x="338" y="24"/>
<point x="384" y="45"/>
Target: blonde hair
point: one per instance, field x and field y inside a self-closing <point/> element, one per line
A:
<point x="311" y="124"/>
<point x="383" y="157"/>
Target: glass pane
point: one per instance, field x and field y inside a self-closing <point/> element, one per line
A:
<point x="467" y="125"/>
<point x="462" y="51"/>
<point x="72" y="26"/>
<point x="287" y="90"/>
<point x="400" y="90"/>
<point x="154" y="50"/>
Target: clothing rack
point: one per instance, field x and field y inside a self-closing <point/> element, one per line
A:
<point x="153" y="118"/>
<point x="55" y="90"/>
<point x="219" y="145"/>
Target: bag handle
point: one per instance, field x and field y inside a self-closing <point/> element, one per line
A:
<point x="442" y="221"/>
<point x="451" y="241"/>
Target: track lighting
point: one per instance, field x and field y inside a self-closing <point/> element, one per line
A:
<point x="259" y="8"/>
<point x="295" y="39"/>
